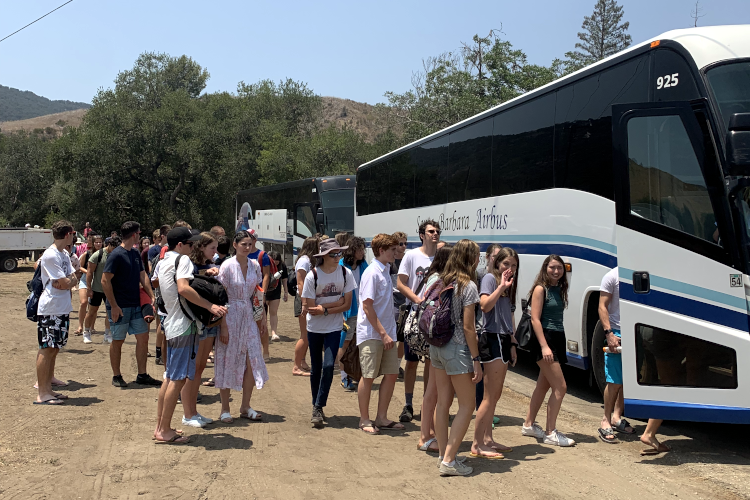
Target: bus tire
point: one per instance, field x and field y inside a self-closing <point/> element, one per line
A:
<point x="8" y="263"/>
<point x="598" y="340"/>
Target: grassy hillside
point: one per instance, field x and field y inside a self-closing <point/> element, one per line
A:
<point x="21" y="104"/>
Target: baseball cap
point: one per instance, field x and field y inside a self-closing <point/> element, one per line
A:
<point x="252" y="233"/>
<point x="181" y="235"/>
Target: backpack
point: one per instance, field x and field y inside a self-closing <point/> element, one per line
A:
<point x="291" y="284"/>
<point x="36" y="287"/>
<point x="207" y="287"/>
<point x="435" y="320"/>
<point x="157" y="292"/>
<point x="273" y="283"/>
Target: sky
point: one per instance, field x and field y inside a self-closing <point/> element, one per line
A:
<point x="354" y="50"/>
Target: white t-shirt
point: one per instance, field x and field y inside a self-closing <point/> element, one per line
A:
<point x="375" y="284"/>
<point x="415" y="265"/>
<point x="176" y="323"/>
<point x="303" y="263"/>
<point x="611" y="284"/>
<point x="330" y="289"/>
<point x="55" y="265"/>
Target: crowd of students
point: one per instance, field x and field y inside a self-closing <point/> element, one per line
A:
<point x="341" y="302"/>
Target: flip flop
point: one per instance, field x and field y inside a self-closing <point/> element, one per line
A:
<point x="393" y="426"/>
<point x="226" y="418"/>
<point x="373" y="432"/>
<point x="208" y="383"/>
<point x="501" y="449"/>
<point x="64" y="384"/>
<point x="303" y="374"/>
<point x="603" y="433"/>
<point x="622" y="425"/>
<point x="426" y="447"/>
<point x="50" y="402"/>
<point x="663" y="448"/>
<point x="176" y="439"/>
<point x="499" y="456"/>
<point x="252" y="415"/>
<point x="61" y="396"/>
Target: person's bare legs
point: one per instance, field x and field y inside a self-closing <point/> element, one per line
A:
<point x="554" y="375"/>
<point x="466" y="392"/>
<point x="224" y="395"/>
<point x="300" y="350"/>
<point x="429" y="401"/>
<point x="649" y="437"/>
<point x="537" y="397"/>
<point x="91" y="317"/>
<point x="190" y="390"/>
<point x="385" y="393"/>
<point x="264" y="336"/>
<point x="426" y="375"/>
<point x="494" y="378"/>
<point x="619" y="409"/>
<point x="164" y="431"/>
<point x="141" y="351"/>
<point x="611" y="395"/>
<point x="160" y="340"/>
<point x="115" y="353"/>
<point x="363" y="398"/>
<point x="248" y="384"/>
<point x="45" y="368"/>
<point x="445" y="393"/>
<point x="273" y="316"/>
<point x="83" y="299"/>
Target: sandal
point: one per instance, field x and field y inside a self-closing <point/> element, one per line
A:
<point x="426" y="447"/>
<point x="391" y="426"/>
<point x="78" y="332"/>
<point x="495" y="456"/>
<point x="208" y="383"/>
<point x="623" y="425"/>
<point x="364" y="425"/>
<point x="603" y="433"/>
<point x="176" y="439"/>
<point x="252" y="415"/>
<point x="226" y="418"/>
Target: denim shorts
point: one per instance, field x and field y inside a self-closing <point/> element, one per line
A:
<point x="454" y="358"/>
<point x="208" y="333"/>
<point x="131" y="322"/>
<point x="613" y="365"/>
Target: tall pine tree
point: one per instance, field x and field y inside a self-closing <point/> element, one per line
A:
<point x="603" y="34"/>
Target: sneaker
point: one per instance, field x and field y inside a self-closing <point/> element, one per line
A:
<point x="193" y="421"/>
<point x="107" y="338"/>
<point x="534" y="431"/>
<point x="275" y="337"/>
<point x="118" y="381"/>
<point x="158" y="360"/>
<point x="317" y="417"/>
<point x="87" y="338"/>
<point x="407" y="414"/>
<point x="459" y="459"/>
<point x="458" y="469"/>
<point x="146" y="379"/>
<point x="557" y="438"/>
<point x="348" y="385"/>
<point x="205" y="420"/>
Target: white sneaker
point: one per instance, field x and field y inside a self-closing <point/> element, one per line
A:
<point x="459" y="459"/>
<point x="534" y="431"/>
<point x="193" y="421"/>
<point x="458" y="469"/>
<point x="203" y="419"/>
<point x="107" y="338"/>
<point x="558" y="439"/>
<point x="87" y="337"/>
<point x="275" y="337"/>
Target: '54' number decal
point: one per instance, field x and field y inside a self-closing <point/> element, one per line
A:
<point x="667" y="81"/>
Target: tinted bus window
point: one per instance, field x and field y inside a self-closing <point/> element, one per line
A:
<point x="583" y="125"/>
<point x="522" y="147"/>
<point x="470" y="162"/>
<point x="430" y="162"/>
<point x="363" y="191"/>
<point x="401" y="182"/>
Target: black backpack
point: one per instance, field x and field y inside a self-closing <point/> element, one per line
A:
<point x="210" y="289"/>
<point x="36" y="287"/>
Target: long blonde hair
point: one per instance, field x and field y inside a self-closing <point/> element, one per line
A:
<point x="462" y="264"/>
<point x="196" y="255"/>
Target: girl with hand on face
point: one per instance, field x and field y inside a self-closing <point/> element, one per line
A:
<point x="497" y="296"/>
<point x="549" y="297"/>
<point x="239" y="361"/>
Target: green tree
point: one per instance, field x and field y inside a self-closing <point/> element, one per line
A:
<point x="25" y="179"/>
<point x="603" y="35"/>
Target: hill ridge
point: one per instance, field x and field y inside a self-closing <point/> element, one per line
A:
<point x="18" y="104"/>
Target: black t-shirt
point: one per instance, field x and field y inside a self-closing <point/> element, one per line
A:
<point x="276" y="294"/>
<point x="126" y="267"/>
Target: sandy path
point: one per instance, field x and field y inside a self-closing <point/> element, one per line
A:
<point x="98" y="444"/>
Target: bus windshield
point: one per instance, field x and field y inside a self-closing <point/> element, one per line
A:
<point x="338" y="208"/>
<point x="730" y="84"/>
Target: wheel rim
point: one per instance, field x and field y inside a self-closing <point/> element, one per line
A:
<point x="9" y="264"/>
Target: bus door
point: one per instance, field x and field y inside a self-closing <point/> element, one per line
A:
<point x="304" y="220"/>
<point x="683" y="312"/>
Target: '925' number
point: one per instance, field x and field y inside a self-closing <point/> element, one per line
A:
<point x="667" y="81"/>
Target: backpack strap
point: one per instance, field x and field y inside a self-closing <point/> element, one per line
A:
<point x="315" y="277"/>
<point x="179" y="299"/>
<point x="260" y="260"/>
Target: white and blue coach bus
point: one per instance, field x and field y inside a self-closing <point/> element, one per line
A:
<point x="640" y="161"/>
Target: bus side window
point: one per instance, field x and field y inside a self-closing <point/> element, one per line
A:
<point x="430" y="162"/>
<point x="401" y="183"/>
<point x="470" y="162"/>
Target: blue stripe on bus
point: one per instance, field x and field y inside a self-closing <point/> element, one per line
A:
<point x="687" y="289"/>
<point x="578" y="361"/>
<point x="510" y="240"/>
<point x="645" y="409"/>
<point x="686" y="307"/>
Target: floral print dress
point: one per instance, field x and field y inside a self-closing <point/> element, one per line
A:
<point x="244" y="337"/>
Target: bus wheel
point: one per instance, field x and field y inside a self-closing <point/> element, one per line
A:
<point x="598" y="340"/>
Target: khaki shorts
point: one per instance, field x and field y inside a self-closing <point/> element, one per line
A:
<point x="376" y="361"/>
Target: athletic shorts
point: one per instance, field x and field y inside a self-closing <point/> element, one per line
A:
<point x="376" y="361"/>
<point x="613" y="364"/>
<point x="180" y="359"/>
<point x="52" y="331"/>
<point x="408" y="356"/>
<point x="97" y="299"/>
<point x="131" y="322"/>
<point x="494" y="346"/>
<point x="453" y="358"/>
<point x="557" y="343"/>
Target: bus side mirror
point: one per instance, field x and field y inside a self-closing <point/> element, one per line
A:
<point x="738" y="144"/>
<point x="319" y="219"/>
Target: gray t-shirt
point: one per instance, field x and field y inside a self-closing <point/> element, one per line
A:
<point x="468" y="296"/>
<point x="500" y="318"/>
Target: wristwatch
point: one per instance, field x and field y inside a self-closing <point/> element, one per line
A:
<point x="476" y="359"/>
<point x="608" y="330"/>
<point x="325" y="312"/>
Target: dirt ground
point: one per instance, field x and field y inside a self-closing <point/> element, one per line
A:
<point x="98" y="445"/>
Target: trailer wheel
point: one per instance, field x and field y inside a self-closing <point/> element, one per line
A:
<point x="8" y="263"/>
<point x="598" y="340"/>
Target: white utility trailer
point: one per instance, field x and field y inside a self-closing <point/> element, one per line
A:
<point x="20" y="243"/>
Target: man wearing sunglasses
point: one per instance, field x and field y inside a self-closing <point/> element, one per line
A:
<point x="411" y="272"/>
<point x="327" y="293"/>
<point x="121" y="281"/>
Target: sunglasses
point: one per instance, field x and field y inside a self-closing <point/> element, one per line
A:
<point x="336" y="255"/>
<point x="433" y="231"/>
